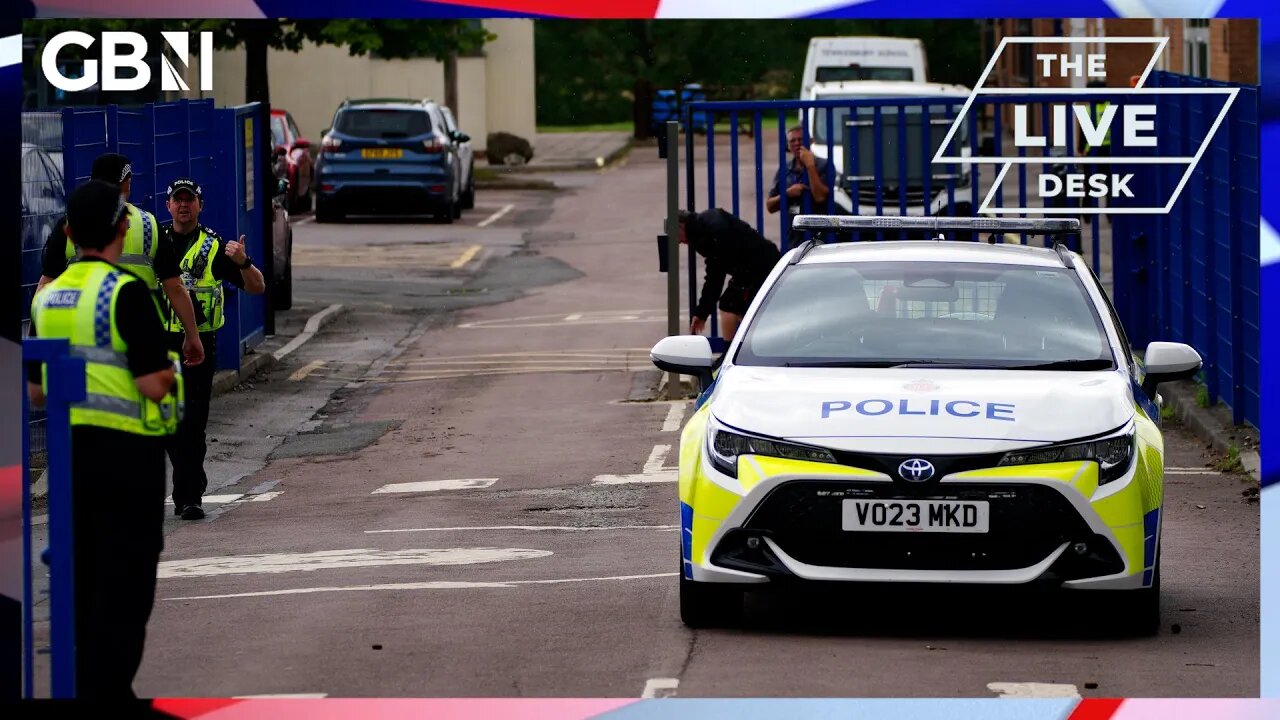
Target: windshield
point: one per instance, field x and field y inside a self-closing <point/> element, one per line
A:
<point x="861" y="72"/>
<point x="881" y="314"/>
<point x="863" y="151"/>
<point x="383" y="124"/>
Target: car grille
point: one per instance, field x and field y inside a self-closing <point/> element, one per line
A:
<point x="1027" y="523"/>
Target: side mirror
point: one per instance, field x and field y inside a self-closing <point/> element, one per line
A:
<point x="684" y="354"/>
<point x="1166" y="362"/>
<point x="302" y="144"/>
<point x="462" y="137"/>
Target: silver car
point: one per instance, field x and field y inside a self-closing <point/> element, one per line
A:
<point x="466" y="159"/>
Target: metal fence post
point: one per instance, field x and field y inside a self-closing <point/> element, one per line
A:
<point x="66" y="385"/>
<point x="673" y="245"/>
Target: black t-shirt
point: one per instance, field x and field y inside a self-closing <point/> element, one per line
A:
<point x="224" y="268"/>
<point x="53" y="262"/>
<point x="139" y="325"/>
<point x="731" y="247"/>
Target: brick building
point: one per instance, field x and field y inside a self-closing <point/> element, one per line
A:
<point x="1218" y="49"/>
<point x="1224" y="50"/>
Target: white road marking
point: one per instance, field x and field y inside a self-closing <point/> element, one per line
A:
<point x="666" y="476"/>
<point x="465" y="257"/>
<point x="496" y="216"/>
<point x="212" y="499"/>
<point x="600" y="316"/>
<point x="1190" y="471"/>
<point x="338" y="559"/>
<point x="532" y="528"/>
<point x="306" y="370"/>
<point x="436" y="485"/>
<point x="437" y="585"/>
<point x="282" y="696"/>
<point x="263" y="497"/>
<point x="657" y="458"/>
<point x="1033" y="690"/>
<point x="40" y="520"/>
<point x="312" y="327"/>
<point x="674" y="415"/>
<point x="660" y="688"/>
<point x="305" y="220"/>
<point x="573" y="318"/>
<point x="652" y="472"/>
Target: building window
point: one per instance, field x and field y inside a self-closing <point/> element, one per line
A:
<point x="1195" y="48"/>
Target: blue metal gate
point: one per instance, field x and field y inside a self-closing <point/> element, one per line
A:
<point x="879" y="156"/>
<point x="220" y="147"/>
<point x="1192" y="275"/>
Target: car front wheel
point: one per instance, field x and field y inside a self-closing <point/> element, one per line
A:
<point x="709" y="605"/>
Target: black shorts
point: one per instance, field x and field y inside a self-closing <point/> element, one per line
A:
<point x="738" y="294"/>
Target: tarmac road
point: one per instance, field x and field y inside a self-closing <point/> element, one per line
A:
<point x="447" y="493"/>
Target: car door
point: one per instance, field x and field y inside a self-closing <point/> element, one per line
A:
<point x="301" y="152"/>
<point x="442" y="131"/>
<point x="464" y="148"/>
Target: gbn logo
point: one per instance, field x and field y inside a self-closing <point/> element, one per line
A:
<point x="122" y="50"/>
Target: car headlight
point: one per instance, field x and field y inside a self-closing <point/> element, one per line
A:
<point x="724" y="446"/>
<point x="1114" y="454"/>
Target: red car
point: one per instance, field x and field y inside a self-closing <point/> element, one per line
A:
<point x="296" y="151"/>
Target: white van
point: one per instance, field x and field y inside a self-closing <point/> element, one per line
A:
<point x="843" y="59"/>
<point x="830" y="146"/>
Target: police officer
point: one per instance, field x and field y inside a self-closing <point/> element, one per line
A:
<point x="144" y="255"/>
<point x="206" y="262"/>
<point x="117" y="437"/>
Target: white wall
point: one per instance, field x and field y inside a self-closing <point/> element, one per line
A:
<point x="495" y="92"/>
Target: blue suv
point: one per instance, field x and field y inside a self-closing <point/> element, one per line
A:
<point x="389" y="155"/>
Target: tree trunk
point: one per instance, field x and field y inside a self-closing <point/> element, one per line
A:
<point x="256" y="87"/>
<point x="641" y="109"/>
<point x="451" y="86"/>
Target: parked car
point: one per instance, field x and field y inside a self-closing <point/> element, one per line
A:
<point x="389" y="155"/>
<point x="43" y="204"/>
<point x="290" y="144"/>
<point x="466" y="156"/>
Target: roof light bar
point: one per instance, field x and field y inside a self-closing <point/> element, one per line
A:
<point x="1049" y="226"/>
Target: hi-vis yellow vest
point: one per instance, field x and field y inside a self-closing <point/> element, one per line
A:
<point x="140" y="243"/>
<point x="80" y="306"/>
<point x="197" y="277"/>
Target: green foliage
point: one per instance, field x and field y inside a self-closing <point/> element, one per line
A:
<point x="588" y="71"/>
<point x="1231" y="463"/>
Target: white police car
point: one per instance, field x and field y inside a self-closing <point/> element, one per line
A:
<point x="920" y="412"/>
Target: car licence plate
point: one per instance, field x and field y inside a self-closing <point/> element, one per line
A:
<point x="915" y="516"/>
<point x="382" y="153"/>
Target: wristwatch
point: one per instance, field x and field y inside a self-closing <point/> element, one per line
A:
<point x="248" y="262"/>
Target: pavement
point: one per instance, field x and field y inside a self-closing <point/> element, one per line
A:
<point x="571" y="151"/>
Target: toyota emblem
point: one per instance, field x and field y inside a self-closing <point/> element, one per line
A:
<point x="915" y="470"/>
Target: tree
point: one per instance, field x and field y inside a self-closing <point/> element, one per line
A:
<point x="390" y="39"/>
<point x="604" y="71"/>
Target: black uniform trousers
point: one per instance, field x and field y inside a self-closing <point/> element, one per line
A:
<point x="118" y="509"/>
<point x="187" y="447"/>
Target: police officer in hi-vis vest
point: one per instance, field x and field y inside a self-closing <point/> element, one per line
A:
<point x="206" y="261"/>
<point x="143" y="255"/>
<point x="118" y="433"/>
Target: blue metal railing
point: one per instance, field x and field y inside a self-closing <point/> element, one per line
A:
<point x="1192" y="275"/>
<point x="196" y="139"/>
<point x="66" y="385"/>
<point x="1188" y="276"/>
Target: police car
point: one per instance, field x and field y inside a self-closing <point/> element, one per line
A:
<point x="930" y="411"/>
